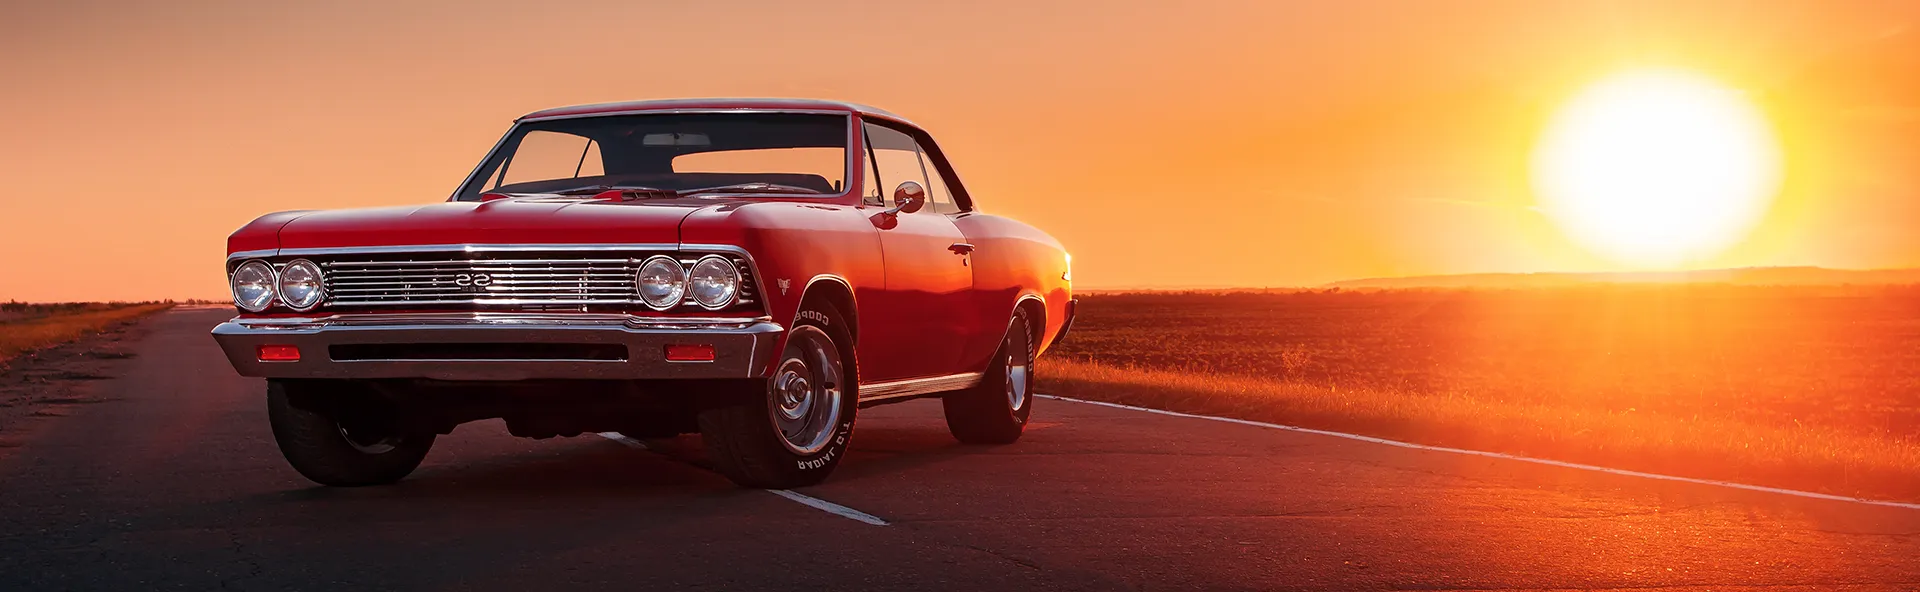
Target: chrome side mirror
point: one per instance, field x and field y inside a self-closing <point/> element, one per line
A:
<point x="908" y="198"/>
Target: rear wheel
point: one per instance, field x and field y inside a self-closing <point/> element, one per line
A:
<point x="996" y="410"/>
<point x="357" y="441"/>
<point x="792" y="429"/>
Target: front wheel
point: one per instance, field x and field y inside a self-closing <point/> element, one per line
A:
<point x="790" y="430"/>
<point x="360" y="442"/>
<point x="996" y="410"/>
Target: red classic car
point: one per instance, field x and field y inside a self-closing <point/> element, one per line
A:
<point x="730" y="267"/>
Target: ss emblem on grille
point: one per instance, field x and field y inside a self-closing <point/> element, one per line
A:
<point x="477" y="280"/>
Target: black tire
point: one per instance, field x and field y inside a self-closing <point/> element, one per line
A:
<point x="369" y="450"/>
<point x="744" y="431"/>
<point x="994" y="412"/>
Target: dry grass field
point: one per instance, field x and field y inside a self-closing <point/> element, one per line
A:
<point x="26" y="327"/>
<point x="1806" y="387"/>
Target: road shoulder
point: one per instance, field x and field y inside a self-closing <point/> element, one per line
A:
<point x="50" y="383"/>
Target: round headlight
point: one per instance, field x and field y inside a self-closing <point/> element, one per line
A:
<point x="714" y="282"/>
<point x="661" y="282"/>
<point x="300" y="285"/>
<point x="253" y="286"/>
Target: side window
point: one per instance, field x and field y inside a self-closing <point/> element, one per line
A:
<point x="875" y="194"/>
<point x="544" y="156"/>
<point x="939" y="200"/>
<point x="897" y="159"/>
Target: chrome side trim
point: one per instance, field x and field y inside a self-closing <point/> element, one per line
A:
<point x="703" y="247"/>
<point x="1043" y="310"/>
<point x="1024" y="298"/>
<point x="242" y="256"/>
<point x="880" y="391"/>
<point x="828" y="277"/>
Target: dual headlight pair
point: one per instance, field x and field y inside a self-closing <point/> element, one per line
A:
<point x="663" y="283"/>
<point x="256" y="285"/>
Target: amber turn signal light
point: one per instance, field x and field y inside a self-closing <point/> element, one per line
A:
<point x="279" y="353"/>
<point x="689" y="352"/>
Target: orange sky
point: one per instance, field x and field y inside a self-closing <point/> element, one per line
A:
<point x="1166" y="144"/>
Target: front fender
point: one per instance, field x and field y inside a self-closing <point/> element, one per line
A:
<point x="794" y="245"/>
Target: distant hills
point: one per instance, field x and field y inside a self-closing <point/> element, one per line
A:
<point x="1746" y="276"/>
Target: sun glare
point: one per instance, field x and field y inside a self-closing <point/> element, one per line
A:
<point x="1657" y="167"/>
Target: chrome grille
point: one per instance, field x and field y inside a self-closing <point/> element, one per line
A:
<point x="463" y="280"/>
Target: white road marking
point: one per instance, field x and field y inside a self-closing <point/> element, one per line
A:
<point x="829" y="507"/>
<point x="1541" y="461"/>
<point x="803" y="499"/>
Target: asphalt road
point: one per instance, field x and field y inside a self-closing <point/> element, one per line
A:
<point x="173" y="482"/>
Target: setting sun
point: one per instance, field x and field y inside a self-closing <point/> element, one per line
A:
<point x="1657" y="167"/>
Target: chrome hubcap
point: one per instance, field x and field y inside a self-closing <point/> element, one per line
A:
<point x="804" y="396"/>
<point x="793" y="391"/>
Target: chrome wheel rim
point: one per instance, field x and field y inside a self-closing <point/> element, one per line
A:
<point x="1019" y="365"/>
<point x="804" y="397"/>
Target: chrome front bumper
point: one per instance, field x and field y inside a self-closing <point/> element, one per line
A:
<point x="742" y="347"/>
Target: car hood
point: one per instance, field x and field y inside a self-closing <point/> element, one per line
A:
<point x="506" y="221"/>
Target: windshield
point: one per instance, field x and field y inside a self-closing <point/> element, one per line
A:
<point x="761" y="153"/>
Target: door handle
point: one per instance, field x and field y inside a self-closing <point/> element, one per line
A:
<point x="961" y="248"/>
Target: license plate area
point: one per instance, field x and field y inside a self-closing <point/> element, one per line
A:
<point x="478" y="352"/>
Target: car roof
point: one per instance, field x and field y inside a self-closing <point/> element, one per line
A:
<point x="718" y="104"/>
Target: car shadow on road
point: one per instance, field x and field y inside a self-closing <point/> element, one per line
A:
<point x="595" y="490"/>
<point x="886" y="450"/>
<point x="878" y="450"/>
<point x="581" y="470"/>
<point x="589" y="469"/>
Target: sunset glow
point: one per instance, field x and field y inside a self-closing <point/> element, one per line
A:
<point x="1004" y="295"/>
<point x="1346" y="141"/>
<point x="1657" y="167"/>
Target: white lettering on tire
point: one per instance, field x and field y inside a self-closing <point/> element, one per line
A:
<point x="826" y="457"/>
<point x="816" y="463"/>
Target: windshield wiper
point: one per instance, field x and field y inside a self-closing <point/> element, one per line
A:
<point x="627" y="192"/>
<point x="624" y="189"/>
<point x="752" y="188"/>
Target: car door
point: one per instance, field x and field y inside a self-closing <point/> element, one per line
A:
<point x="920" y="323"/>
<point x="998" y="264"/>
